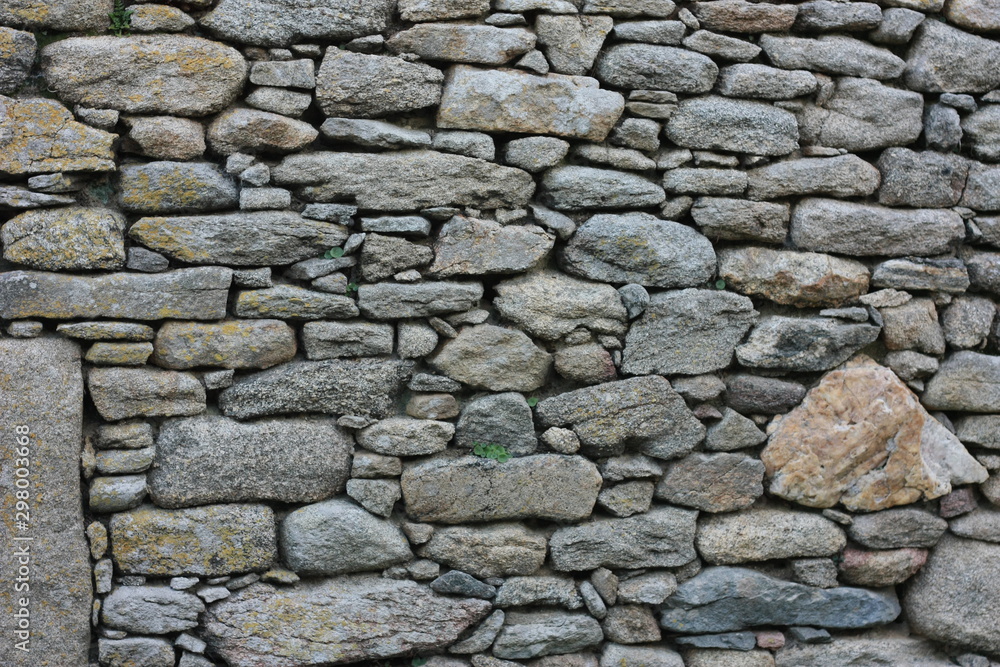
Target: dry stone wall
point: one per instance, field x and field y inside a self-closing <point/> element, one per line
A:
<point x="557" y="333"/>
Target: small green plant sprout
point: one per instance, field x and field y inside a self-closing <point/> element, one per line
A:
<point x="720" y="284"/>
<point x="333" y="253"/>
<point x="418" y="662"/>
<point x="498" y="453"/>
<point x="121" y="19"/>
<point x="352" y="287"/>
<point x="532" y="402"/>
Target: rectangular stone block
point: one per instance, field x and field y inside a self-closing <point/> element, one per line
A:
<point x="45" y="570"/>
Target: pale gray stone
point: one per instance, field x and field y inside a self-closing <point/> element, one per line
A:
<point x="763" y="82"/>
<point x="833" y="54"/>
<point x="208" y="460"/>
<point x="279" y="100"/>
<point x="662" y="254"/>
<point x="147" y="261"/>
<point x="68" y="16"/>
<point x="337" y="386"/>
<point x="983" y="268"/>
<point x="741" y="220"/>
<point x="667" y="33"/>
<point x="116" y="494"/>
<point x="123" y="462"/>
<point x="617" y="158"/>
<point x="511" y="101"/>
<point x="981" y="524"/>
<point x="983" y="430"/>
<point x="573" y="188"/>
<point x="981" y="188"/>
<point x="629" y="8"/>
<point x="461" y="489"/>
<point x="705" y="181"/>
<point x="151" y="610"/>
<point x="945" y="59"/>
<point x="239" y="239"/>
<point x="265" y="199"/>
<point x="803" y="343"/>
<point x="389" y="301"/>
<point x="130" y="392"/>
<point x="331" y="340"/>
<point x="955" y="598"/>
<point x="254" y="131"/>
<point x="722" y="46"/>
<point x="617" y="655"/>
<point x="921" y="179"/>
<point x="17" y="197"/>
<point x="627" y="498"/>
<point x="402" y="436"/>
<point x="472" y="247"/>
<point x="648" y="66"/>
<point x="289" y="73"/>
<point x="572" y="42"/>
<point x="374" y="133"/>
<point x="722" y="599"/>
<point x="494" y="550"/>
<point x="720" y="123"/>
<point x="291" y="302"/>
<point x="144" y="651"/>
<point x="842" y="176"/>
<point x="70" y="238"/>
<point x="549" y="305"/>
<point x="175" y="187"/>
<point x="175" y="75"/>
<point x="744" y="17"/>
<point x="861" y="115"/>
<point x="948" y="389"/>
<point x="877" y="651"/>
<point x="688" y="331"/>
<point x="357" y="85"/>
<point x="653" y="588"/>
<point x="463" y="43"/>
<point x="733" y="432"/>
<point x="713" y="482"/>
<point x="337" y="537"/>
<point x="982" y="131"/>
<point x="436" y="10"/>
<point x="262" y="625"/>
<point x="535" y="154"/>
<point x="410" y="225"/>
<point x="827" y="225"/>
<point x="483" y="636"/>
<point x="41" y="416"/>
<point x="897" y="27"/>
<point x="366" y="465"/>
<point x="545" y="591"/>
<point x="165" y="137"/>
<point x="41" y="137"/>
<point x="19" y="49"/>
<point x="828" y="16"/>
<point x="471" y="144"/>
<point x="405" y="180"/>
<point x="538" y="633"/>
<point x="282" y="23"/>
<point x="493" y="358"/>
<point x="662" y="537"/>
<point x="766" y="534"/>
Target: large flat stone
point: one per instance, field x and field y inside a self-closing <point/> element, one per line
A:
<point x="662" y="537"/>
<point x="840" y="176"/>
<point x="331" y="621"/>
<point x="207" y="460"/>
<point x="943" y="58"/>
<point x="60" y="15"/>
<point x="231" y="344"/>
<point x="41" y="416"/>
<point x="575" y="188"/>
<point x="405" y="180"/>
<point x="493" y="550"/>
<point x="396" y="301"/>
<point x="648" y="66"/>
<point x="282" y="22"/>
<point x="639" y="248"/>
<point x="950" y="388"/>
<point x="803" y="343"/>
<point x="644" y="412"/>
<point x="356" y="85"/>
<point x="70" y="238"/>
<point x="515" y="101"/>
<point x="169" y="74"/>
<point x="259" y="238"/>
<point x="885" y="651"/>
<point x="827" y="225"/>
<point x="861" y="438"/>
<point x="833" y="54"/>
<point x="40" y="137"/>
<point x="955" y="598"/>
<point x="335" y="386"/>
<point x="721" y="123"/>
<point x="175" y="187"/>
<point x="540" y="633"/>
<point x="725" y="599"/>
<point x="688" y="331"/>
<point x="119" y="393"/>
<point x="494" y="358"/>
<point x="544" y="486"/>
<point x="207" y="541"/>
<point x="761" y="534"/>
<point x="473" y="247"/>
<point x="463" y="43"/>
<point x="194" y="294"/>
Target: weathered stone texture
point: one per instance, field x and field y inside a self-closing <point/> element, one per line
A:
<point x="40" y="136"/>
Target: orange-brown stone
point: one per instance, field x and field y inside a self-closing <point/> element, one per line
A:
<point x="862" y="438"/>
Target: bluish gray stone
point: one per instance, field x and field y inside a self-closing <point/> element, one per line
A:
<point x="803" y="343"/>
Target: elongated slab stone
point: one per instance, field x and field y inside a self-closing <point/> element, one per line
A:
<point x="66" y="239"/>
<point x="405" y="180"/>
<point x="207" y="460"/>
<point x="230" y="344"/>
<point x="396" y="301"/>
<point x="827" y="225"/>
<point x="546" y="486"/>
<point x="192" y="294"/>
<point x="170" y="74"/>
<point x="119" y="393"/>
<point x="41" y="413"/>
<point x="662" y="537"/>
<point x="62" y="15"/>
<point x="261" y="238"/>
<point x="331" y="621"/>
<point x="335" y="386"/>
<point x="280" y="23"/>
<point x="724" y="599"/>
<point x="40" y="136"/>
<point x="206" y="541"/>
<point x="861" y="438"/>
<point x="514" y="101"/>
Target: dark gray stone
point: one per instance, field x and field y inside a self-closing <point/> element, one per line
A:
<point x="502" y="419"/>
<point x="897" y="529"/>
<point x="723" y="599"/>
<point x="540" y="633"/>
<point x="457" y="582"/>
<point x="803" y="343"/>
<point x="921" y="179"/>
<point x="949" y="388"/>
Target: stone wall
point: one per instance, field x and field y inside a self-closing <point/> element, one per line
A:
<point x="560" y="333"/>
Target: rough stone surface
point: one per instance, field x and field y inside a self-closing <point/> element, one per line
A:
<point x="662" y="537"/>
<point x="638" y="248"/>
<point x="502" y="419"/>
<point x="494" y="550"/>
<point x="41" y="396"/>
<point x="713" y="482"/>
<point x="356" y="85"/>
<point x="364" y="387"/>
<point x="405" y="180"/>
<point x="481" y="44"/>
<point x="932" y="64"/>
<point x="324" y="621"/>
<point x="70" y="238"/>
<point x="647" y="66"/>
<point x="541" y="633"/>
<point x="471" y="247"/>
<point x="898" y="528"/>
<point x="40" y="136"/>
<point x="401" y="436"/>
<point x="644" y="412"/>
<point x="764" y="534"/>
<point x="281" y="23"/>
<point x="154" y="74"/>
<point x="208" y="541"/>
<point x="900" y="453"/>
<point x="720" y="123"/>
<point x="544" y="486"/>
<point x="208" y="460"/>
<point x="338" y="537"/>
<point x="232" y="344"/>
<point x="876" y="651"/>
<point x="841" y="176"/>
<point x="833" y="54"/>
<point x="132" y="392"/>
<point x="253" y="131"/>
<point x="793" y="278"/>
<point x="722" y="599"/>
<point x="494" y="358"/>
<point x="741" y="220"/>
<point x="573" y="188"/>
<point x="948" y="389"/>
<point x="151" y="609"/>
<point x="803" y="343"/>
<point x="688" y="331"/>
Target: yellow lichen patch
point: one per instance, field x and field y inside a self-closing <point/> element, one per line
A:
<point x="44" y="138"/>
<point x="119" y="354"/>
